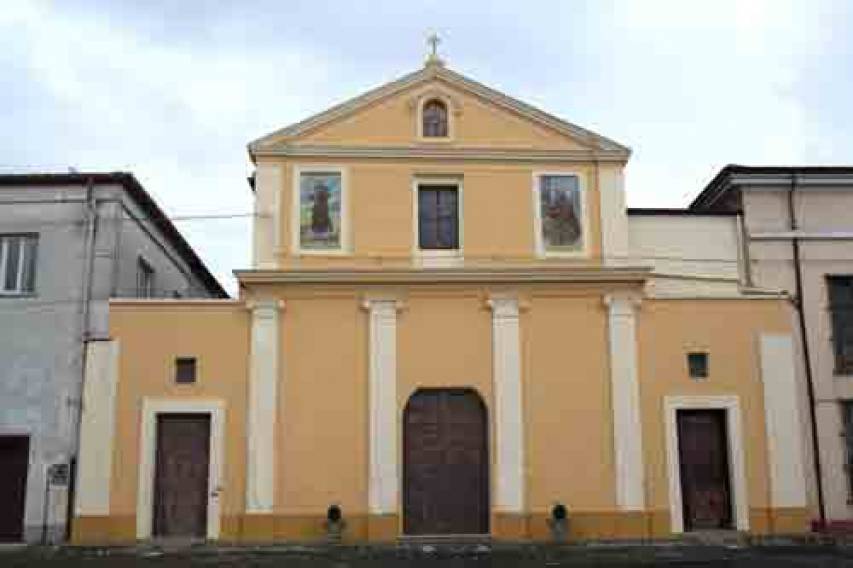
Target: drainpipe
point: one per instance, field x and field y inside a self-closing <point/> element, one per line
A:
<point x="799" y="304"/>
<point x="90" y="219"/>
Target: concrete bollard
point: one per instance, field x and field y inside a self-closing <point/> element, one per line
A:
<point x="334" y="523"/>
<point x="558" y="522"/>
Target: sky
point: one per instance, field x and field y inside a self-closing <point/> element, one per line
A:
<point x="174" y="90"/>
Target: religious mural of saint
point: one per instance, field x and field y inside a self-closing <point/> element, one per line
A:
<point x="560" y="211"/>
<point x="320" y="211"/>
<point x="321" y="222"/>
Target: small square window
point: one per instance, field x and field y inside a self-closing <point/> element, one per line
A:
<point x="185" y="370"/>
<point x="697" y="364"/>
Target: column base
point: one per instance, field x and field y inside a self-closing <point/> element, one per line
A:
<point x="787" y="520"/>
<point x="106" y="529"/>
<point x="582" y="525"/>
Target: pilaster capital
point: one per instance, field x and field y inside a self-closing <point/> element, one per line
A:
<point x="382" y="303"/>
<point x="622" y="303"/>
<point x="506" y="305"/>
<point x="265" y="307"/>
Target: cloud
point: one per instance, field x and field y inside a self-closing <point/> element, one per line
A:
<point x="174" y="90"/>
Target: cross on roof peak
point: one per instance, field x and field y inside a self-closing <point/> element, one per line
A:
<point x="432" y="57"/>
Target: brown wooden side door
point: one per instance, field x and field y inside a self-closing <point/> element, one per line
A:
<point x="181" y="475"/>
<point x="14" y="465"/>
<point x="704" y="466"/>
<point x="446" y="464"/>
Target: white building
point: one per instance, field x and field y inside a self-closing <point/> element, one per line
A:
<point x="797" y="227"/>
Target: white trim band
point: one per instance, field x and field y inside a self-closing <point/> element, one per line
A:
<point x="508" y="415"/>
<point x="627" y="426"/>
<point x="151" y="407"/>
<point x="97" y="428"/>
<point x="262" y="406"/>
<point x="384" y="488"/>
<point x="737" y="467"/>
<point x="784" y="437"/>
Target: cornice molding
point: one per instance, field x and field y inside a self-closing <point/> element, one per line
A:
<point x="177" y="302"/>
<point x="515" y="275"/>
<point x="443" y="153"/>
<point x="783" y="181"/>
<point x="267" y="306"/>
<point x="370" y="303"/>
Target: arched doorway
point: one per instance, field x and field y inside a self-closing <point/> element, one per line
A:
<point x="445" y="463"/>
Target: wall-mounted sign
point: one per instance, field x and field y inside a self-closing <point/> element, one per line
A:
<point x="58" y="474"/>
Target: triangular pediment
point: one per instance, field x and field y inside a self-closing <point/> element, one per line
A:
<point x="482" y="117"/>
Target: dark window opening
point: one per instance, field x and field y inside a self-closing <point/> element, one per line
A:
<point x="434" y="119"/>
<point x="847" y="410"/>
<point x="438" y="217"/>
<point x="841" y="308"/>
<point x="144" y="279"/>
<point x="697" y="364"/>
<point x="185" y="370"/>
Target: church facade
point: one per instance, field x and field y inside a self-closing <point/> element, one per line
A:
<point x="452" y="326"/>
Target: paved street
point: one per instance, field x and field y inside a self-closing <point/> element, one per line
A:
<point x="445" y="556"/>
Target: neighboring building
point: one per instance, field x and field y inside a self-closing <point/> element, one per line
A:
<point x="799" y="231"/>
<point x="68" y="242"/>
<point x="451" y="326"/>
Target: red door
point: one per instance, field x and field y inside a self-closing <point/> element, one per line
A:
<point x="181" y="475"/>
<point x="14" y="464"/>
<point x="704" y="465"/>
<point x="445" y="463"/>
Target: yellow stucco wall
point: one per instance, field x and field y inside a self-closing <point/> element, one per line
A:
<point x="497" y="210"/>
<point x="322" y="406"/>
<point x="478" y="123"/>
<point x="728" y="330"/>
<point x="567" y="408"/>
<point x="497" y="221"/>
<point x="443" y="340"/>
<point x="150" y="337"/>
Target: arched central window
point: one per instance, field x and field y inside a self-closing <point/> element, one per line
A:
<point x="434" y="118"/>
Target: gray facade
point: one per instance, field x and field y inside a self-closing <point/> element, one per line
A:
<point x="93" y="232"/>
<point x="804" y="212"/>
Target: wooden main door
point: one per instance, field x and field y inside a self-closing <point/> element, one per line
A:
<point x="704" y="465"/>
<point x="14" y="464"/>
<point x="181" y="473"/>
<point x="445" y="463"/>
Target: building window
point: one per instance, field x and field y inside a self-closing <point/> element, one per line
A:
<point x="438" y="217"/>
<point x="17" y="264"/>
<point x="560" y="214"/>
<point x="434" y="117"/>
<point x="697" y="365"/>
<point x="320" y="211"/>
<point x="847" y="418"/>
<point x="185" y="370"/>
<point x="144" y="279"/>
<point x="841" y="307"/>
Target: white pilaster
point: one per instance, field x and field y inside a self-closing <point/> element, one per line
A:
<point x="97" y="428"/>
<point x="267" y="222"/>
<point x="614" y="218"/>
<point x="624" y="384"/>
<point x="784" y="441"/>
<point x="384" y="483"/>
<point x="509" y="428"/>
<point x="260" y="421"/>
